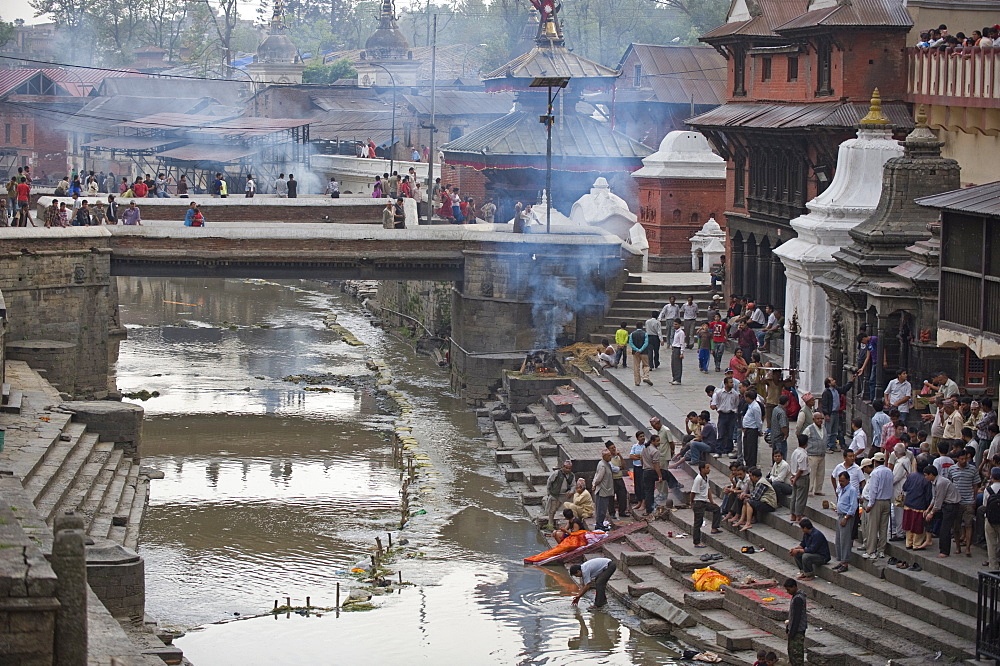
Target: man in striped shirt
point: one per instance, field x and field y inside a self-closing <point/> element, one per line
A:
<point x="967" y="480"/>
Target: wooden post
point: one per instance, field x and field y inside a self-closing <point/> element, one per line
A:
<point x="338" y="596"/>
<point x="389" y="534"/>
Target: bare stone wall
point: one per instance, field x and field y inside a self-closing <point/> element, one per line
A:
<point x="58" y="309"/>
<point x="28" y="595"/>
<point x="428" y="302"/>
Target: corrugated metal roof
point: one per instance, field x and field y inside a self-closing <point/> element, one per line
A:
<point x="354" y="125"/>
<point x="794" y="116"/>
<point x="171" y="121"/>
<point x="461" y="103"/>
<point x="978" y="200"/>
<point x="857" y="13"/>
<point x="519" y="134"/>
<point x="247" y="126"/>
<point x="676" y="73"/>
<point x="206" y="153"/>
<point x="101" y="115"/>
<point x="128" y="143"/>
<point x="228" y="93"/>
<point x="76" y="81"/>
<point x="765" y="16"/>
<point x="550" y="61"/>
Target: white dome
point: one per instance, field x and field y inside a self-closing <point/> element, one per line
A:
<point x="683" y="154"/>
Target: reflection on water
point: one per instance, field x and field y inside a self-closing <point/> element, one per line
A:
<point x="272" y="491"/>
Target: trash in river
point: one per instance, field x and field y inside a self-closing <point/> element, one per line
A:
<point x="420" y="512"/>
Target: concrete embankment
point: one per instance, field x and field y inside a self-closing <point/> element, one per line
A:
<point x="874" y="613"/>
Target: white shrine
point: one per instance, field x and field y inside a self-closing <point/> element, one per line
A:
<point x="850" y="198"/>
<point x="708" y="246"/>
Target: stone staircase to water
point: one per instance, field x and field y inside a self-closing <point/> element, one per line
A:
<point x="865" y="617"/>
<point x="639" y="297"/>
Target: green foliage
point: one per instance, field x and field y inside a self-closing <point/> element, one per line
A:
<point x="317" y="72"/>
<point x="6" y="32"/>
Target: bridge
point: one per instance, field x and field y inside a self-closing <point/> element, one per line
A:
<point x="512" y="291"/>
<point x="340" y="251"/>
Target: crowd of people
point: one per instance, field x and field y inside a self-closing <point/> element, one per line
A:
<point x="446" y="201"/>
<point x="939" y="38"/>
<point x="929" y="469"/>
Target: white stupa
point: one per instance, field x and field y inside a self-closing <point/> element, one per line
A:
<point x="848" y="201"/>
<point x="683" y="154"/>
<point x="605" y="209"/>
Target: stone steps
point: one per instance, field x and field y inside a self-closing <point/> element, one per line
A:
<point x="91" y="505"/>
<point x="900" y="619"/>
<point x="136" y="513"/>
<point x="61" y="481"/>
<point x="117" y="503"/>
<point x="47" y="467"/>
<point x="82" y="481"/>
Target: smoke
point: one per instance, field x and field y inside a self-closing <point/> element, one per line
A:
<point x="565" y="291"/>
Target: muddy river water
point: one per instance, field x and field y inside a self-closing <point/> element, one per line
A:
<point x="271" y="491"/>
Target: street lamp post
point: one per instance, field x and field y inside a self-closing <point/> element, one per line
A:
<point x="392" y="141"/>
<point x="558" y="83"/>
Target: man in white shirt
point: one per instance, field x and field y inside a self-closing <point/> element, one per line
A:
<point x="689" y="315"/>
<point x="849" y="465"/>
<point x="859" y="440"/>
<point x="726" y="400"/>
<point x="653" y="334"/>
<point x="595" y="574"/>
<point x="779" y="475"/>
<point x="701" y="502"/>
<point x="677" y="352"/>
<point x="798" y="467"/>
<point x="899" y="394"/>
<point x="670" y="312"/>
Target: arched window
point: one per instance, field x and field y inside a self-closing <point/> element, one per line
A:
<point x="677" y="215"/>
<point x="694" y="218"/>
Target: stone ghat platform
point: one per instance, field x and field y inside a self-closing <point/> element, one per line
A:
<point x="869" y="615"/>
<point x="354" y="210"/>
<point x="61" y="456"/>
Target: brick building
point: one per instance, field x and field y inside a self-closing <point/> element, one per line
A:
<point x="681" y="186"/>
<point x="800" y="74"/>
<point x="33" y="105"/>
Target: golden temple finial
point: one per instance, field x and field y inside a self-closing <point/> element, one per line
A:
<point x="875" y="116"/>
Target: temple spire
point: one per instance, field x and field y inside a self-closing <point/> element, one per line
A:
<point x="875" y="117"/>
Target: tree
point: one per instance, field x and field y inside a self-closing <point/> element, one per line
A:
<point x="317" y="72"/>
<point x="6" y="32"/>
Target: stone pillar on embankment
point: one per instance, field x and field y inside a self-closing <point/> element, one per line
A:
<point x="539" y="293"/>
<point x="56" y="286"/>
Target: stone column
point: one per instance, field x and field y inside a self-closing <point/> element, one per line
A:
<point x="70" y="565"/>
<point x="881" y="326"/>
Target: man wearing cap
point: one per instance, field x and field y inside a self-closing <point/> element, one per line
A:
<point x="878" y="508"/>
<point x="726" y="401"/>
<point x="808" y="403"/>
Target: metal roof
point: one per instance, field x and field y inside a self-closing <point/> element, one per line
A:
<point x="354" y="125"/>
<point x="461" y="103"/>
<point x="247" y="126"/>
<point x="172" y="121"/>
<point x="677" y="73"/>
<point x="550" y="61"/>
<point x="978" y="200"/>
<point x="765" y="16"/>
<point x="102" y="114"/>
<point x="128" y="143"/>
<point x="519" y="134"/>
<point x="76" y="81"/>
<point x="201" y="152"/>
<point x="857" y="13"/>
<point x="797" y="116"/>
<point x="228" y="93"/>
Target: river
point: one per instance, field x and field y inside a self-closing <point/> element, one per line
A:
<point x="272" y="491"/>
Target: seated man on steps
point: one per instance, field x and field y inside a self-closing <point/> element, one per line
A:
<point x="812" y="551"/>
<point x="762" y="501"/>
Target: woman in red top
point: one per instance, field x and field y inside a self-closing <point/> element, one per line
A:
<point x="405" y="189"/>
<point x="738" y="366"/>
<point x="139" y="188"/>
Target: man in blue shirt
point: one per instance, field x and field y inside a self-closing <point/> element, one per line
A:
<point x="847" y="513"/>
<point x="812" y="551"/>
<point x="753" y="423"/>
<point x="638" y="342"/>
